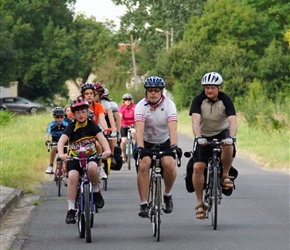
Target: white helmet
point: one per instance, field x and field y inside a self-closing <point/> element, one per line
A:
<point x="212" y="78"/>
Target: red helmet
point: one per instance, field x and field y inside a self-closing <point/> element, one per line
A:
<point x="78" y="104"/>
<point x="99" y="87"/>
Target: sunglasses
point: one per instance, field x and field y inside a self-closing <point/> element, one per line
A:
<point x="127" y="99"/>
<point x="153" y="90"/>
<point x="58" y="116"/>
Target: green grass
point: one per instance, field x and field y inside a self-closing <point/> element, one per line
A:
<point x="24" y="157"/>
<point x="23" y="154"/>
<point x="268" y="149"/>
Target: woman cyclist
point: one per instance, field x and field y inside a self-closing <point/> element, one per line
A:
<point x="126" y="111"/>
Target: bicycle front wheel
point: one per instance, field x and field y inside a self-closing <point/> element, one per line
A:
<point x="158" y="207"/>
<point x="87" y="212"/>
<point x="129" y="153"/>
<point x="214" y="198"/>
<point x="59" y="177"/>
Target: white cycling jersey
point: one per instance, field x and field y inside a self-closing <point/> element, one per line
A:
<point x="156" y="119"/>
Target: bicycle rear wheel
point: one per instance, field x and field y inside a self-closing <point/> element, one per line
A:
<point x="59" y="177"/>
<point x="214" y="198"/>
<point x="158" y="207"/>
<point x="87" y="213"/>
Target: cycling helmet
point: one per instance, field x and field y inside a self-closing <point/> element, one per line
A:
<point x="58" y="111"/>
<point x="106" y="92"/>
<point x="212" y="78"/>
<point x="87" y="86"/>
<point x="127" y="96"/>
<point x="99" y="87"/>
<point x="78" y="104"/>
<point x="154" y="82"/>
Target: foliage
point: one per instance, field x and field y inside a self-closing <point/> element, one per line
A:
<point x="261" y="113"/>
<point x="6" y="117"/>
<point x="143" y="17"/>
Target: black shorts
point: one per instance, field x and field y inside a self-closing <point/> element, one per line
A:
<point x="203" y="153"/>
<point x="124" y="131"/>
<point x="75" y="165"/>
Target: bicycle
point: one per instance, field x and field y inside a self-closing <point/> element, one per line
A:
<point x="129" y="146"/>
<point x="155" y="199"/>
<point x="85" y="205"/>
<point x="107" y="165"/>
<point x="213" y="172"/>
<point x="107" y="168"/>
<point x="60" y="170"/>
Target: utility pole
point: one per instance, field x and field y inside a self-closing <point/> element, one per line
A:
<point x="134" y="63"/>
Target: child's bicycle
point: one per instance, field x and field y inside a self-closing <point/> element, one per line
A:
<point x="60" y="170"/>
<point x="85" y="205"/>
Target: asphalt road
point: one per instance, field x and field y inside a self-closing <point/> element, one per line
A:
<point x="255" y="217"/>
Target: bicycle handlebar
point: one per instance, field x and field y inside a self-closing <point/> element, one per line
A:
<point x="52" y="145"/>
<point x="96" y="156"/>
<point x="159" y="154"/>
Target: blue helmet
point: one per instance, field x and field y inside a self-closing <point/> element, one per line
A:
<point x="154" y="82"/>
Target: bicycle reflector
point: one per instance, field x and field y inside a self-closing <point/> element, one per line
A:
<point x="83" y="157"/>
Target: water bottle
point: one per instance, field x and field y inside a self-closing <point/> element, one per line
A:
<point x="83" y="157"/>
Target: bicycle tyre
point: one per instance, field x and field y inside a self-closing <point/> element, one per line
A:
<point x="129" y="153"/>
<point x="59" y="166"/>
<point x="87" y="212"/>
<point x="80" y="216"/>
<point x="158" y="207"/>
<point x="105" y="184"/>
<point x="215" y="197"/>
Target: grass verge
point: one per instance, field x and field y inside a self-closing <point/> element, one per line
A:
<point x="23" y="155"/>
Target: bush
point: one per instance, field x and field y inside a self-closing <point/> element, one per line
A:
<point x="262" y="113"/>
<point x="6" y="117"/>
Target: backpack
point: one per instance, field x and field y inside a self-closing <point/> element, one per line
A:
<point x="118" y="158"/>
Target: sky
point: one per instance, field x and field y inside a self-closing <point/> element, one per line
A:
<point x="101" y="9"/>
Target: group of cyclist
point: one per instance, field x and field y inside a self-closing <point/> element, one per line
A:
<point x="154" y="119"/>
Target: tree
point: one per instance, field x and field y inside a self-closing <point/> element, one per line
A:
<point x="143" y="17"/>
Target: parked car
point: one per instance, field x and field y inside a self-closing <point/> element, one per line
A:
<point x="19" y="105"/>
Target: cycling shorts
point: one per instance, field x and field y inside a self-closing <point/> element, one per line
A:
<point x="75" y="165"/>
<point x="124" y="131"/>
<point x="203" y="153"/>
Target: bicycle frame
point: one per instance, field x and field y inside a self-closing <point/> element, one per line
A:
<point x="213" y="188"/>
<point x="85" y="199"/>
<point x="129" y="147"/>
<point x="155" y="198"/>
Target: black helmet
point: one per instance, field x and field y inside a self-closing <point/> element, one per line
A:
<point x="87" y="86"/>
<point x="58" y="111"/>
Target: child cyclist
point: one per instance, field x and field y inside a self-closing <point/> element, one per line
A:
<point x="55" y="130"/>
<point x="82" y="132"/>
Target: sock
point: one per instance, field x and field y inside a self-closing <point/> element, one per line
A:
<point x="144" y="203"/>
<point x="166" y="194"/>
<point x="71" y="204"/>
<point x="96" y="189"/>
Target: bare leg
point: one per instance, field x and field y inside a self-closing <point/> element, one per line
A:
<point x="143" y="178"/>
